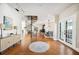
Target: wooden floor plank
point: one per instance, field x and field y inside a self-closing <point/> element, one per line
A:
<point x="56" y="48"/>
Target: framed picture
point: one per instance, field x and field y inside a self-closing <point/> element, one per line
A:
<point x="7" y="22"/>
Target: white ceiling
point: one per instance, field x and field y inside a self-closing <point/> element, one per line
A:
<point x="41" y="8"/>
<point x="44" y="11"/>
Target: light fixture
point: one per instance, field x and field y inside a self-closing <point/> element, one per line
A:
<point x="16" y="9"/>
<point x="19" y="9"/>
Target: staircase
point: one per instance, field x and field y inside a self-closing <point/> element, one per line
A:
<point x="31" y="28"/>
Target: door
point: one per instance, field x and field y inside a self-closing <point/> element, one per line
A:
<point x="69" y="31"/>
<point x="60" y="30"/>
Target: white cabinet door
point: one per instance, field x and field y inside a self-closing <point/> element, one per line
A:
<point x="4" y="44"/>
<point x="16" y="39"/>
<point x="9" y="41"/>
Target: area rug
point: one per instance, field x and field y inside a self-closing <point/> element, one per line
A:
<point x="39" y="47"/>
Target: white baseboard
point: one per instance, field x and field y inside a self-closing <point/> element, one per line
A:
<point x="76" y="49"/>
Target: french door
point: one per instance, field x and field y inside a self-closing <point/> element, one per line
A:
<point x="68" y="33"/>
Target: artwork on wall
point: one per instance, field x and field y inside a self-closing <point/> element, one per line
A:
<point x="7" y="22"/>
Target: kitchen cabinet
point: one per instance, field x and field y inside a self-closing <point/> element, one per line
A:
<point x="8" y="41"/>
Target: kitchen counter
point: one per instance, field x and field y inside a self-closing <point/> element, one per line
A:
<point x="8" y="36"/>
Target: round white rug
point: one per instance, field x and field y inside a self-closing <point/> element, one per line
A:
<point x="39" y="47"/>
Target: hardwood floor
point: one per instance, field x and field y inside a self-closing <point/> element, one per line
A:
<point x="56" y="48"/>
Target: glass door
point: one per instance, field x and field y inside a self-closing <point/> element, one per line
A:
<point x="69" y="31"/>
<point x="60" y="30"/>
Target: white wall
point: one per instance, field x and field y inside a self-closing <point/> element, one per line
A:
<point x="6" y="10"/>
<point x="72" y="13"/>
<point x="77" y="29"/>
<point x="72" y="10"/>
<point x="49" y="26"/>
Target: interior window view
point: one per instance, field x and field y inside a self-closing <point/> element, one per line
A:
<point x="39" y="29"/>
